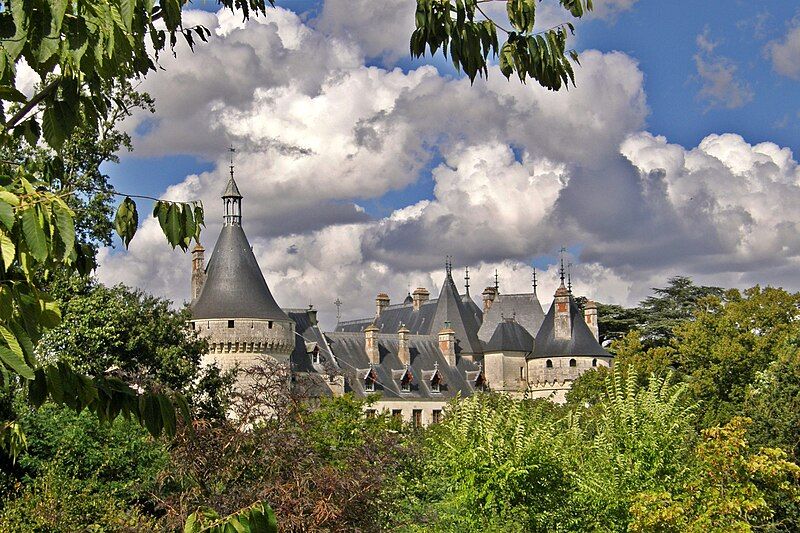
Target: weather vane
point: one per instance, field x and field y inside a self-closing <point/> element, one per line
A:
<point x="232" y="150"/>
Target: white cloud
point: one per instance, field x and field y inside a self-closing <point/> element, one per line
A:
<point x="785" y="53"/>
<point x="517" y="172"/>
<point x="720" y="85"/>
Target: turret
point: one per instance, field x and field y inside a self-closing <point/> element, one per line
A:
<point x="198" y="270"/>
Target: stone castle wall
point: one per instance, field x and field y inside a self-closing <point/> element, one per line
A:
<point x="248" y="341"/>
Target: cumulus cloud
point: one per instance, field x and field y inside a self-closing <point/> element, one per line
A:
<point x="785" y="53"/>
<point x="720" y="85"/>
<point x="517" y="172"/>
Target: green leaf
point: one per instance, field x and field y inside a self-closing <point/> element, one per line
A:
<point x="7" y="250"/>
<point x="37" y="388"/>
<point x="65" y="226"/>
<point x="150" y="414"/>
<point x="58" y="121"/>
<point x="15" y="362"/>
<point x="32" y="228"/>
<point x="126" y="220"/>
<point x="6" y="214"/>
<point x="167" y="414"/>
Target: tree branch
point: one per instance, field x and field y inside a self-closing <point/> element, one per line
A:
<point x="33" y="102"/>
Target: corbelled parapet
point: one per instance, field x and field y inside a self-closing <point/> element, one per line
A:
<point x="371" y="344"/>
<point x="447" y="344"/>
<point x="381" y="302"/>
<point x="403" y="351"/>
<point x="590" y="316"/>
<point x="419" y="297"/>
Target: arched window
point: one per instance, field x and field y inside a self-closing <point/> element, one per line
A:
<point x="594" y="362"/>
<point x="573" y="362"/>
<point x="549" y="364"/>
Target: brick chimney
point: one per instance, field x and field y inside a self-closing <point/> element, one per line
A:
<point x="447" y="344"/>
<point x="371" y="340"/>
<point x="489" y="294"/>
<point x="563" y="318"/>
<point x="198" y="270"/>
<point x="381" y="303"/>
<point x="403" y="351"/>
<point x="590" y="315"/>
<point x="420" y="296"/>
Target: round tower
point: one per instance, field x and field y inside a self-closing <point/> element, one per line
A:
<point x="235" y="310"/>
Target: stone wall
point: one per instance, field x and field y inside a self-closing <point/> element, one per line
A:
<point x="407" y="407"/>
<point x="505" y="371"/>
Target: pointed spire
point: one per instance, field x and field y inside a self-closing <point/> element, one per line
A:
<point x="448" y="266"/>
<point x="232" y="200"/>
<point x="466" y="279"/>
<point x="561" y="269"/>
<point x="569" y="277"/>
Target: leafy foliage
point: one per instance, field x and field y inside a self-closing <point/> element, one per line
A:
<point x="452" y="27"/>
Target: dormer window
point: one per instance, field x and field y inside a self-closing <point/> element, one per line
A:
<point x="316" y="358"/>
<point x="405" y="386"/>
<point x="436" y="379"/>
<point x="370" y="380"/>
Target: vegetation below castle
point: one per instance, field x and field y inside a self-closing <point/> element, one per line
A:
<point x="698" y="431"/>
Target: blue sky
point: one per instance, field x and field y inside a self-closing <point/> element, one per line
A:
<point x="362" y="167"/>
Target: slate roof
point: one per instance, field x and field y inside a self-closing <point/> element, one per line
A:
<point x="581" y="342"/>
<point x="235" y="286"/>
<point x="351" y="356"/>
<point x="417" y="322"/>
<point x="450" y="309"/>
<point x="524" y="308"/>
<point x="311" y="376"/>
<point x="231" y="190"/>
<point x="509" y="336"/>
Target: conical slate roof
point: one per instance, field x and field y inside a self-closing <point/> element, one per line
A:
<point x="509" y="336"/>
<point x="581" y="342"/>
<point x="235" y="286"/>
<point x="231" y="191"/>
<point x="450" y="308"/>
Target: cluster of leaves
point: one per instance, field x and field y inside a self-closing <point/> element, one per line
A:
<point x="452" y="27"/>
<point x="321" y="468"/>
<point x="634" y="463"/>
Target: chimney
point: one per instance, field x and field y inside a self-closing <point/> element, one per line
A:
<point x="198" y="270"/>
<point x="381" y="303"/>
<point x="402" y="351"/>
<point x="489" y="294"/>
<point x="312" y="314"/>
<point x="371" y="339"/>
<point x="590" y="315"/>
<point x="420" y="296"/>
<point x="447" y="344"/>
<point x="563" y="319"/>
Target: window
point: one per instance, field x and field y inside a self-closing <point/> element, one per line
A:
<point x="594" y="362"/>
<point x="520" y="372"/>
<point x="573" y="362"/>
<point x="371" y="413"/>
<point x="369" y="385"/>
<point x="316" y="358"/>
<point x="405" y="386"/>
<point x="436" y="416"/>
<point x="435" y="386"/>
<point x="269" y="324"/>
<point x="417" y="417"/>
<point x="230" y="323"/>
<point x="549" y="364"/>
<point x="397" y="414"/>
<point x="193" y="326"/>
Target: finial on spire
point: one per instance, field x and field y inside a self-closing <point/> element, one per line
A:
<point x="338" y="304"/>
<point x="466" y="279"/>
<point x="561" y="270"/>
<point x="496" y="281"/>
<point x="569" y="277"/>
<point x="534" y="281"/>
<point x="232" y="150"/>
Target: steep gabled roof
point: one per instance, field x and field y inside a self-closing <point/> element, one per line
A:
<point x="524" y="308"/>
<point x="235" y="286"/>
<point x="451" y="309"/>
<point x="231" y="190"/>
<point x="581" y="342"/>
<point x="509" y="336"/>
<point x="418" y="322"/>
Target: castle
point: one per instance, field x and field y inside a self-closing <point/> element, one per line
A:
<point x="415" y="356"/>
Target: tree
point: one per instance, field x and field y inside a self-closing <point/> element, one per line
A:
<point x="730" y="341"/>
